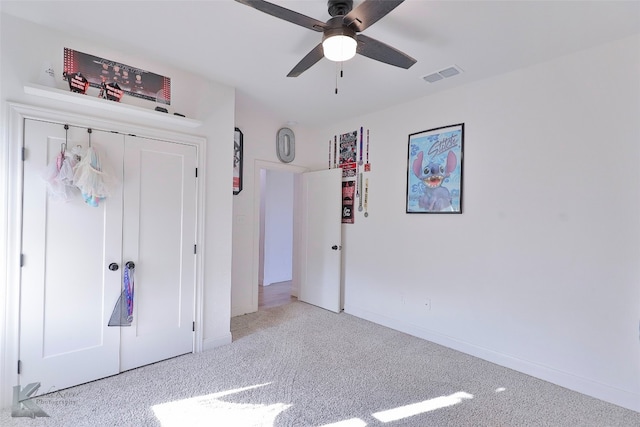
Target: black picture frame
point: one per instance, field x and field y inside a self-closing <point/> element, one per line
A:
<point x="434" y="170"/>
<point x="237" y="161"/>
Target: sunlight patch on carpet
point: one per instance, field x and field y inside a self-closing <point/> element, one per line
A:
<point x="210" y="410"/>
<point x="421" y="407"/>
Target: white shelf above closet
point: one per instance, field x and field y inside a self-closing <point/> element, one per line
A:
<point x="103" y="104"/>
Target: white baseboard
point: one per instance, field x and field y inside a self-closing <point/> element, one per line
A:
<point x="276" y="282"/>
<point x="218" y="341"/>
<point x="582" y="385"/>
<point x="240" y="311"/>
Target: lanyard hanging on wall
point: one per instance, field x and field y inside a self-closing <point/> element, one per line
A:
<point x="366" y="197"/>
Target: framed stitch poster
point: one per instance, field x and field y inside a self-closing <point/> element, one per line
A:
<point x="434" y="170"/>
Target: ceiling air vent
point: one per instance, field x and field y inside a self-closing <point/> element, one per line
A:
<point x="451" y="71"/>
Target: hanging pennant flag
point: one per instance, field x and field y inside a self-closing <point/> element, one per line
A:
<point x="348" y="191"/>
<point x="122" y="314"/>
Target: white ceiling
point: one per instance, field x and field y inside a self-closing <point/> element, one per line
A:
<point x="236" y="45"/>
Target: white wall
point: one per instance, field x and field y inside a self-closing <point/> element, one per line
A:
<point x="197" y="98"/>
<point x="278" y="239"/>
<point x="540" y="272"/>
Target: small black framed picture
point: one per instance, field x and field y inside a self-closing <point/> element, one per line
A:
<point x="237" y="161"/>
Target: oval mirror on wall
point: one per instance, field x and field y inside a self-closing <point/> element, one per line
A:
<point x="286" y="145"/>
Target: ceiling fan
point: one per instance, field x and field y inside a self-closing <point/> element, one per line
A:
<point x="340" y="40"/>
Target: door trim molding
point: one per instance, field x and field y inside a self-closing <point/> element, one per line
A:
<point x="12" y="224"/>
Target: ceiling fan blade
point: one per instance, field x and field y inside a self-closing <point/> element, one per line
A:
<point x="312" y="57"/>
<point x="286" y="14"/>
<point x="374" y="49"/>
<point x="368" y="13"/>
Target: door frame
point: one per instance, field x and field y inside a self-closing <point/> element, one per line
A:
<point x="257" y="194"/>
<point x="13" y="182"/>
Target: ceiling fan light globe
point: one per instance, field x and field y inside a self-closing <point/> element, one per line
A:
<point x="339" y="48"/>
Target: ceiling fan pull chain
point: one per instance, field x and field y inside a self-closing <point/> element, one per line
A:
<point x="341" y="74"/>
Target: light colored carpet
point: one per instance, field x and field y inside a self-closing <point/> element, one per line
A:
<point x="298" y="365"/>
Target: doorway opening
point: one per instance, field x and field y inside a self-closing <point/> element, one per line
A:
<point x="275" y="271"/>
<point x="258" y="227"/>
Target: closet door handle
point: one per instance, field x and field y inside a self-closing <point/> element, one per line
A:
<point x="113" y="266"/>
<point x="130" y="264"/>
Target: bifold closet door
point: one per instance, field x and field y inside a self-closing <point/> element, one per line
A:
<point x="67" y="289"/>
<point x="159" y="236"/>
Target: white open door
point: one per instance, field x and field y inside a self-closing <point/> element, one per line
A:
<point x="321" y="239"/>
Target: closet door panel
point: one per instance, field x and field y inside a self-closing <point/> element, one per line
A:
<point x="67" y="290"/>
<point x="159" y="236"/>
